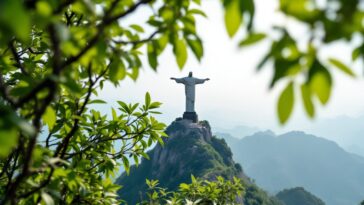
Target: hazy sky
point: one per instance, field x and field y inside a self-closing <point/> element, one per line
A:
<point x="236" y="93"/>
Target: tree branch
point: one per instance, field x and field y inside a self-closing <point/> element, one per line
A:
<point x="44" y="84"/>
<point x="100" y="29"/>
<point x="127" y="12"/>
<point x="62" y="148"/>
<point x="12" y="189"/>
<point x="17" y="57"/>
<point x="138" y="41"/>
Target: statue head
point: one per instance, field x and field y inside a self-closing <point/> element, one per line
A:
<point x="190" y="74"/>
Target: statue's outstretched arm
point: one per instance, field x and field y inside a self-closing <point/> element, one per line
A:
<point x="178" y="80"/>
<point x="200" y="81"/>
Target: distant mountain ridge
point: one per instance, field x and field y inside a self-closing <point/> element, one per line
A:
<point x="298" y="159"/>
<point x="348" y="132"/>
<point x="238" y="131"/>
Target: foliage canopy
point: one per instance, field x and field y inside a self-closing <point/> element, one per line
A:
<point x="55" y="58"/>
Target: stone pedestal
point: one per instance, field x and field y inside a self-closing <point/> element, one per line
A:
<point x="190" y="116"/>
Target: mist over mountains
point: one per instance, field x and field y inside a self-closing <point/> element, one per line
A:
<point x="344" y="130"/>
<point x="298" y="159"/>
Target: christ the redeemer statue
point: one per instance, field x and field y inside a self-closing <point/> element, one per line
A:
<point x="190" y="83"/>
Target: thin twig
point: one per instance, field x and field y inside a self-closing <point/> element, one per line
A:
<point x="138" y="41"/>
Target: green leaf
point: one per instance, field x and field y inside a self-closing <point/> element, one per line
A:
<point x="72" y="86"/>
<point x="160" y="141"/>
<point x="145" y="155"/>
<point x="252" y="39"/>
<point x="299" y="10"/>
<point x="47" y="199"/>
<point x="137" y="28"/>
<point x="114" y="115"/>
<point x="356" y="53"/>
<point x="264" y="60"/>
<point x="233" y="17"/>
<point x="97" y="101"/>
<point x="15" y="17"/>
<point x="8" y="140"/>
<point x="307" y="100"/>
<point x="320" y="81"/>
<point x="155" y="105"/>
<point x="180" y="51"/>
<point x="341" y="66"/>
<point x="166" y="13"/>
<point x="248" y="7"/>
<point x="196" y="47"/>
<point x="197" y="2"/>
<point x="134" y="73"/>
<point x="124" y="106"/>
<point x="162" y="43"/>
<point x="117" y="70"/>
<point x="184" y="186"/>
<point x="152" y="55"/>
<point x="43" y="8"/>
<point x="147" y="99"/>
<point x="193" y="179"/>
<point x="49" y="117"/>
<point x="126" y="164"/>
<point x="321" y="86"/>
<point x="136" y="160"/>
<point x="285" y="103"/>
<point x="197" y="11"/>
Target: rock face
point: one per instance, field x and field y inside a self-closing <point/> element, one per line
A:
<point x="190" y="149"/>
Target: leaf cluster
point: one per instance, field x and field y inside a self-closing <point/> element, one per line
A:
<point x="199" y="192"/>
<point x="302" y="69"/>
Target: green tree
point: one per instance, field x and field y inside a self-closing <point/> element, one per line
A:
<point x="55" y="58"/>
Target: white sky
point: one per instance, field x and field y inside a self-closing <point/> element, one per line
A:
<point x="236" y="93"/>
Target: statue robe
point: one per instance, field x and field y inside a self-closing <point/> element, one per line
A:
<point x="190" y="83"/>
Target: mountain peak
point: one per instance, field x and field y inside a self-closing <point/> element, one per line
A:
<point x="185" y="128"/>
<point x="300" y="196"/>
<point x="189" y="150"/>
